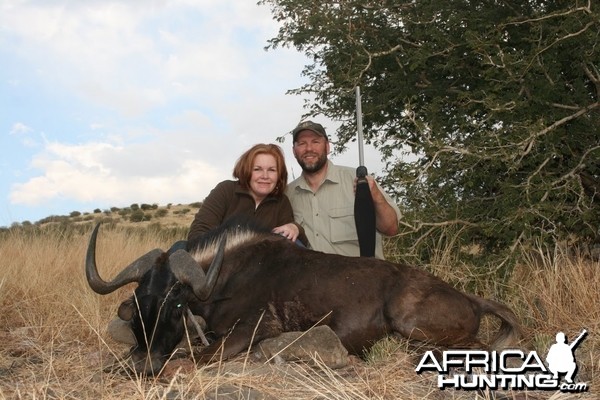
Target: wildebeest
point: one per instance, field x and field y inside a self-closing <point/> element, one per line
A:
<point x="250" y="285"/>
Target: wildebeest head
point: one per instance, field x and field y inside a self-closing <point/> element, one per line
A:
<point x="158" y="306"/>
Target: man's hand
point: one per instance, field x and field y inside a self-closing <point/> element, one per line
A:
<point x="386" y="220"/>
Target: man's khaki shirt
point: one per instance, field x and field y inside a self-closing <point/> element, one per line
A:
<point x="327" y="215"/>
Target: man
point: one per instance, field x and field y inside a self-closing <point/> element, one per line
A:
<point x="323" y="197"/>
<point x="560" y="358"/>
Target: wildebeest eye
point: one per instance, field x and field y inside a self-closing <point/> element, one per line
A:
<point x="178" y="310"/>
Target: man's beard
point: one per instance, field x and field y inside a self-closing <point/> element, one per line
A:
<point x="314" y="167"/>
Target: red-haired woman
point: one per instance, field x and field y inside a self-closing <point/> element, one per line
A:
<point x="258" y="192"/>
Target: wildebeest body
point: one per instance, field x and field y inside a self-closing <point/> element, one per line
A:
<point x="250" y="285"/>
<point x="289" y="288"/>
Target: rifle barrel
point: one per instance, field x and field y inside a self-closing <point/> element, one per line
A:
<point x="578" y="339"/>
<point x="359" y="128"/>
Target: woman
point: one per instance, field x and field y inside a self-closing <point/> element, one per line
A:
<point x="259" y="192"/>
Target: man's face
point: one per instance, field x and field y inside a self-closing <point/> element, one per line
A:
<point x="310" y="150"/>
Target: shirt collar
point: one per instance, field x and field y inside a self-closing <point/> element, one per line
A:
<point x="333" y="176"/>
<point x="246" y="192"/>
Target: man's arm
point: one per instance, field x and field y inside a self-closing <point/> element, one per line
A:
<point x="386" y="218"/>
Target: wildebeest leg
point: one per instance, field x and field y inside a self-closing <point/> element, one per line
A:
<point x="441" y="315"/>
<point x="241" y="336"/>
<point x="222" y="349"/>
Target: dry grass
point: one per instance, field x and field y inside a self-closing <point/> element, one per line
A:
<point x="54" y="343"/>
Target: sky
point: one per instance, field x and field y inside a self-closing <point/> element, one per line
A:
<point x="108" y="103"/>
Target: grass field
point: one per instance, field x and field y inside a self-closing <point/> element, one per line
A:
<point x="53" y="341"/>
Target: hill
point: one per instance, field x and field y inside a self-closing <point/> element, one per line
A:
<point x="138" y="215"/>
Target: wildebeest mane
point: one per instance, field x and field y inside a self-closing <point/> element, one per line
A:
<point x="238" y="229"/>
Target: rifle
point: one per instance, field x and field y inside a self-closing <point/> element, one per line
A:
<point x="364" y="209"/>
<point x="578" y="339"/>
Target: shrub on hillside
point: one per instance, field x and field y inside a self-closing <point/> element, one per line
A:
<point x="161" y="213"/>
<point x="137" y="216"/>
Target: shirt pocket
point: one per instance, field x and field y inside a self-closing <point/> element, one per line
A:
<point x="342" y="227"/>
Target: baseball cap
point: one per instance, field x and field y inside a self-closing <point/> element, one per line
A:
<point x="310" y="126"/>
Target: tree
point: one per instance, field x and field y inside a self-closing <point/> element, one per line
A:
<point x="487" y="112"/>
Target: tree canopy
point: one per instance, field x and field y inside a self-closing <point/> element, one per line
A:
<point x="487" y="112"/>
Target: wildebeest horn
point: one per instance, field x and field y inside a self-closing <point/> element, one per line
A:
<point x="132" y="273"/>
<point x="187" y="270"/>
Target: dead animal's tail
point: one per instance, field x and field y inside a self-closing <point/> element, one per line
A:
<point x="509" y="333"/>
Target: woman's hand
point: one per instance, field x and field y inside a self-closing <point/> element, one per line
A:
<point x="289" y="231"/>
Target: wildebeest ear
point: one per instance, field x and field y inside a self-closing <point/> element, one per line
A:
<point x="187" y="270"/>
<point x="126" y="309"/>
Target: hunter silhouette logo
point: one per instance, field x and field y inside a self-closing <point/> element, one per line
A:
<point x="507" y="369"/>
<point x="561" y="356"/>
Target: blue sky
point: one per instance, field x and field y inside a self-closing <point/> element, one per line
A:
<point x="108" y="103"/>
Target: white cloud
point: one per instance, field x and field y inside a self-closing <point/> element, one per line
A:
<point x="105" y="173"/>
<point x="19" y="128"/>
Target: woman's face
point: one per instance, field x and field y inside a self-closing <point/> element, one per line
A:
<point x="264" y="176"/>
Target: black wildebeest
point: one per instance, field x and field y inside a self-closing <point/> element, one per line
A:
<point x="250" y="285"/>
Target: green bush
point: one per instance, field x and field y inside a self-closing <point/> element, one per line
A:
<point x="161" y="213"/>
<point x="137" y="216"/>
